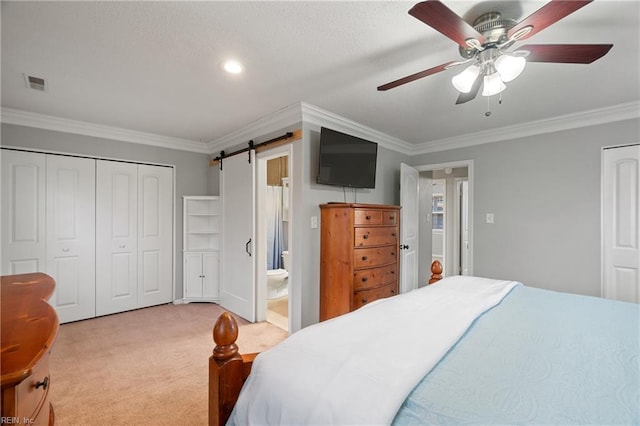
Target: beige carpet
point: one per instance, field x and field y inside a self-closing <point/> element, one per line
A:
<point x="144" y="367"/>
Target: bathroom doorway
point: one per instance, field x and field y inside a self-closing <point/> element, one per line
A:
<point x="274" y="228"/>
<point x="445" y="226"/>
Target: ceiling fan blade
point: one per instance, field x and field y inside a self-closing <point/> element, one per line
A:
<point x="466" y="97"/>
<point x="444" y="20"/>
<point x="547" y="15"/>
<point x="566" y="53"/>
<point x="413" y="77"/>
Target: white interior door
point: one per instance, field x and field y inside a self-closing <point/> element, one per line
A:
<point x="621" y="223"/>
<point x="155" y="235"/>
<point x="71" y="235"/>
<point x="237" y="189"/>
<point x="116" y="237"/>
<point x="409" y="214"/>
<point x="23" y="212"/>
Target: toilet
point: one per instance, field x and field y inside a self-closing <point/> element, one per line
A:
<point x="277" y="279"/>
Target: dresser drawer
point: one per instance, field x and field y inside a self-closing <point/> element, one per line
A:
<point x="375" y="236"/>
<point x="367" y="217"/>
<point x="361" y="298"/>
<point x="375" y="277"/>
<point x="32" y="403"/>
<point x="371" y="257"/>
<point x="390" y="218"/>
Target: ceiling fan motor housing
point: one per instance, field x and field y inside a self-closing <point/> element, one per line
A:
<point x="493" y="27"/>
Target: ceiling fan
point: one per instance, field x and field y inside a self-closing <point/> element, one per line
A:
<point x="484" y="46"/>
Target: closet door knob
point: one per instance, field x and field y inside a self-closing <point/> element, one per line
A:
<point x="121" y="246"/>
<point x="66" y="250"/>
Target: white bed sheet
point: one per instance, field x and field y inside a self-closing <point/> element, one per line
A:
<point x="360" y="367"/>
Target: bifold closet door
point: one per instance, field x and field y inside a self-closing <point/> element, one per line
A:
<point x="116" y="237"/>
<point x="23" y="212"/>
<point x="70" y="222"/>
<point x="155" y="235"/>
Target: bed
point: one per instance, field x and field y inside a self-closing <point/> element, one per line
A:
<point x="462" y="350"/>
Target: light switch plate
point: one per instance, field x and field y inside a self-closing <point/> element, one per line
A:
<point x="489" y="217"/>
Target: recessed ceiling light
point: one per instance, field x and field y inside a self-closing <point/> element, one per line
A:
<point x="232" y="67"/>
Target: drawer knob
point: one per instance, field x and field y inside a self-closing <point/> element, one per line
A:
<point x="44" y="383"/>
<point x="393" y="291"/>
<point x="364" y="257"/>
<point x="364" y="300"/>
<point x="365" y="279"/>
<point x="368" y="217"/>
<point x="365" y="236"/>
<point x="393" y="235"/>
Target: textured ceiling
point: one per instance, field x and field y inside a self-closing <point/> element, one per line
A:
<point x="155" y="66"/>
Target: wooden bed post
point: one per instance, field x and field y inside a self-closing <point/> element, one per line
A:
<point x="227" y="370"/>
<point x="436" y="271"/>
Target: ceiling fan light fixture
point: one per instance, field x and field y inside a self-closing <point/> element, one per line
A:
<point x="492" y="85"/>
<point x="510" y="67"/>
<point x="463" y="82"/>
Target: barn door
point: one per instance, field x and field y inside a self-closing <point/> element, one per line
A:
<point x="237" y="189"/>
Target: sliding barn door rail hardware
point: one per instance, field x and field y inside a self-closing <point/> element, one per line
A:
<point x="295" y="135"/>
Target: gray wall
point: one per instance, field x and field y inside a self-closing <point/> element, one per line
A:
<point x="386" y="192"/>
<point x="192" y="175"/>
<point x="545" y="194"/>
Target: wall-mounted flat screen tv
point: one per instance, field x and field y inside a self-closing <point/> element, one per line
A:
<point x="346" y="160"/>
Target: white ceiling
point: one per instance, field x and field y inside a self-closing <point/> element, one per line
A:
<point x="155" y="66"/>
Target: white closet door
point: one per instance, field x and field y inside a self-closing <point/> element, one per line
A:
<point x="621" y="223"/>
<point x="155" y="235"/>
<point x="71" y="235"/>
<point x="23" y="212"/>
<point x="116" y="237"/>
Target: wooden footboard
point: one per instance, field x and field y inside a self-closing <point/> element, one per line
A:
<point x="228" y="369"/>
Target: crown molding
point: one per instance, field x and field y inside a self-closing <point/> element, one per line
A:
<point x="627" y="111"/>
<point x="48" y="122"/>
<point x="319" y="117"/>
<point x="284" y="117"/>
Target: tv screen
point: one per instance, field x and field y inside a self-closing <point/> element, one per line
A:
<point x="346" y="160"/>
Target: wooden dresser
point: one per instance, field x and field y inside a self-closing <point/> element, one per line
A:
<point x="359" y="246"/>
<point x="29" y="328"/>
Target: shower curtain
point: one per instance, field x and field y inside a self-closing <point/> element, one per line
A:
<point x="274" y="227"/>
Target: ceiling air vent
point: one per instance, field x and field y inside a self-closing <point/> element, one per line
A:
<point x="35" y="83"/>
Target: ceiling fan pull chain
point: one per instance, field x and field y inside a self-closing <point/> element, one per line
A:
<point x="488" y="113"/>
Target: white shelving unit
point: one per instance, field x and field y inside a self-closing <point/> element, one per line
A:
<point x="201" y="248"/>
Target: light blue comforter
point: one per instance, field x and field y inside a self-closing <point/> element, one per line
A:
<point x="539" y="357"/>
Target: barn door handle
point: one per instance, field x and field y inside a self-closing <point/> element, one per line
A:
<point x="247" y="247"/>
